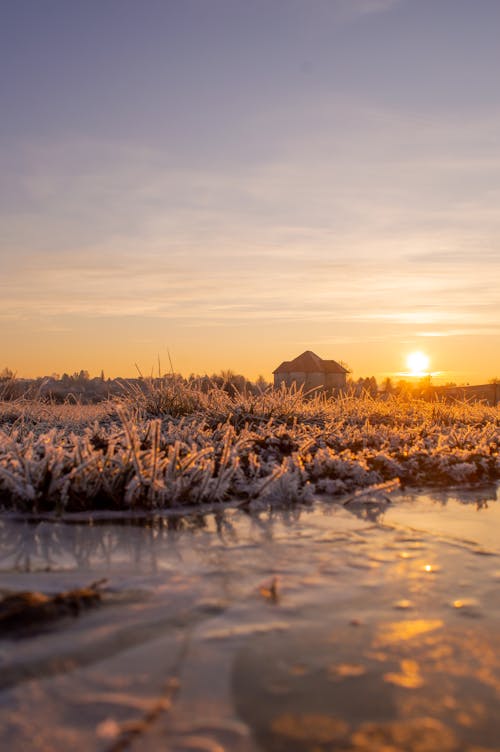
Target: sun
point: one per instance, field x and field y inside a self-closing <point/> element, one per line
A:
<point x="418" y="363"/>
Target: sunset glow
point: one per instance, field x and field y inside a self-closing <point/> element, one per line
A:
<point x="418" y="363"/>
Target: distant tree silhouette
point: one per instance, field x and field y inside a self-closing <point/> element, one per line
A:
<point x="7" y="374"/>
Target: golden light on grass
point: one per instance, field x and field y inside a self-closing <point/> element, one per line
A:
<point x="418" y="363"/>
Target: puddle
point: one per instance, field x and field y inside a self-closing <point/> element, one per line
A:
<point x="319" y="629"/>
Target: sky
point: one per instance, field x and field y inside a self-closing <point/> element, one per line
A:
<point x="236" y="181"/>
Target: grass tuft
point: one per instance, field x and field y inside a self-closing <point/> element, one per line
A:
<point x="170" y="444"/>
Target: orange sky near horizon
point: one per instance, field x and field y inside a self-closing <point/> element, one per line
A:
<point x="377" y="358"/>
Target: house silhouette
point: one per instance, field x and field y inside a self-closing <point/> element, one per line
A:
<point x="311" y="372"/>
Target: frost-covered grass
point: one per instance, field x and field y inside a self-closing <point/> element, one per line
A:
<point x="175" y="445"/>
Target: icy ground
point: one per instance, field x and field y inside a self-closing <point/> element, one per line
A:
<point x="368" y="626"/>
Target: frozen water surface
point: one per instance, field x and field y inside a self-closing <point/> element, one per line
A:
<point x="370" y="626"/>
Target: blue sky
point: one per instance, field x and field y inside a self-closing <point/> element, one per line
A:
<point x="240" y="181"/>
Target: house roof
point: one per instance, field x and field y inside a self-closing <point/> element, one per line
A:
<point x="309" y="362"/>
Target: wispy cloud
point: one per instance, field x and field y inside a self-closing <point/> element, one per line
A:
<point x="471" y="331"/>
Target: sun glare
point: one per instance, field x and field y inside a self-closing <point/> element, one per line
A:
<point x="418" y="363"/>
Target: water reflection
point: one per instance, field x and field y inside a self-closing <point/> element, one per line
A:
<point x="479" y="497"/>
<point x="295" y="629"/>
<point x="29" y="546"/>
<point x="148" y="542"/>
<point x="465" y="515"/>
<point x="145" y="543"/>
<point x="408" y="685"/>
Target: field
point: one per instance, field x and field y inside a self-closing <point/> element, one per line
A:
<point x="175" y="446"/>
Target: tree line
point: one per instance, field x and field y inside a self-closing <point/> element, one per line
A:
<point x="81" y="387"/>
